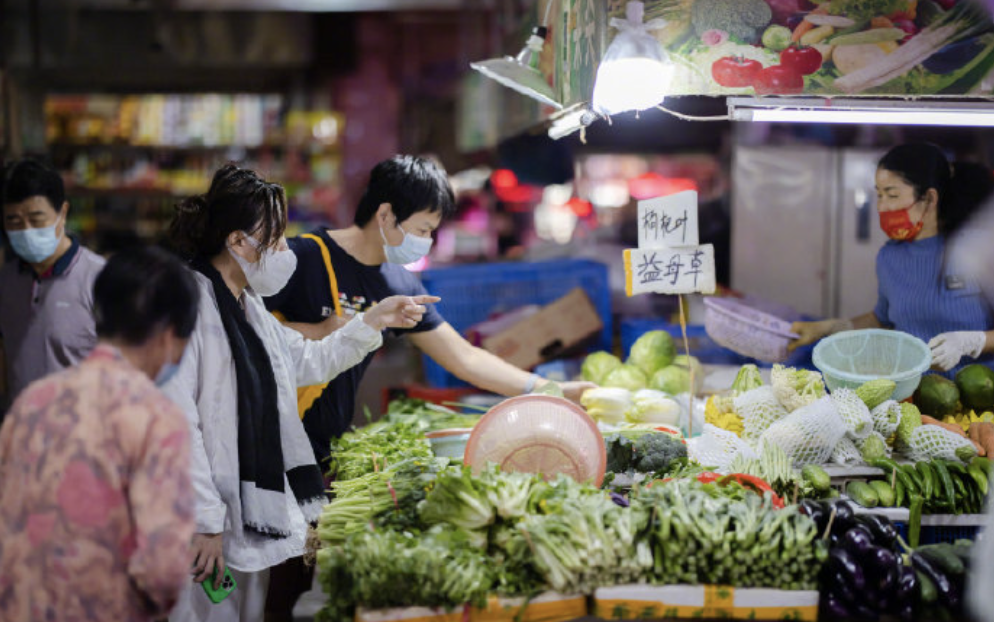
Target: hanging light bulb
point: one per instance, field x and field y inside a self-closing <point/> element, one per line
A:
<point x="635" y="72"/>
<point x="521" y="73"/>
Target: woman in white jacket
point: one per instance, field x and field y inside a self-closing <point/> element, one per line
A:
<point x="255" y="479"/>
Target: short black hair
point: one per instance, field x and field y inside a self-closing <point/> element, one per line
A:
<point x="26" y="178"/>
<point x="142" y="291"/>
<point x="410" y="184"/>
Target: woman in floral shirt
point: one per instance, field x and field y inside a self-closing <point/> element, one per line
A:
<point x="96" y="507"/>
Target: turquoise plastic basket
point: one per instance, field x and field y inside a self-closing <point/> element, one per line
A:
<point x="850" y="358"/>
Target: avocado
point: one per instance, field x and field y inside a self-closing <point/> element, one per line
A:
<point x="976" y="387"/>
<point x="937" y="396"/>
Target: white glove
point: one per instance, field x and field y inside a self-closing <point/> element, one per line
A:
<point x="949" y="348"/>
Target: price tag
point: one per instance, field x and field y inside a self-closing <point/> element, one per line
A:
<point x="670" y="270"/>
<point x="669" y="221"/>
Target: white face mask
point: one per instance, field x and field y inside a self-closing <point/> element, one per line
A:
<point x="271" y="273"/>
<point x="412" y="248"/>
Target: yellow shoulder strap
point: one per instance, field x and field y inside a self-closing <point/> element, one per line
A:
<point x="306" y="396"/>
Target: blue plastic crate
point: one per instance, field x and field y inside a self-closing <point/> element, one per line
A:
<point x="473" y="293"/>
<point x="701" y="346"/>
<point x="934" y="534"/>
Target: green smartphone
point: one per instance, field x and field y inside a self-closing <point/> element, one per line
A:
<point x="227" y="586"/>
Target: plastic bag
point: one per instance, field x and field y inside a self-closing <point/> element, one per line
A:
<point x="759" y="409"/>
<point x="809" y="434"/>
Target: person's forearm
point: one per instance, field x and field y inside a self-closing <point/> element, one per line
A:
<point x="489" y="372"/>
<point x="867" y="320"/>
<point x="314" y="332"/>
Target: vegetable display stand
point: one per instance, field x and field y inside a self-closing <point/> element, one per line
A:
<point x="648" y="602"/>
<point x="546" y="607"/>
<point x="842" y="475"/>
<point x="935" y="527"/>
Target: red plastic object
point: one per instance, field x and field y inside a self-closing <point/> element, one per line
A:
<point x="539" y="434"/>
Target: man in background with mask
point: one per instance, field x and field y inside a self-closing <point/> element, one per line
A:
<point x="345" y="271"/>
<point x="96" y="506"/>
<point x="46" y="282"/>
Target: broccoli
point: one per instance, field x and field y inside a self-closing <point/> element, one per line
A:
<point x="742" y="19"/>
<point x="655" y="452"/>
<point x="619" y="453"/>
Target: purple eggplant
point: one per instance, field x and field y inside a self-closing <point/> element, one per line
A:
<point x="841" y="587"/>
<point x="882" y="529"/>
<point x="839" y="560"/>
<point x="907" y="584"/>
<point x="835" y="608"/>
<point x="858" y="541"/>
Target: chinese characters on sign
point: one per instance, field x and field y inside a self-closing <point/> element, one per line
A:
<point x="669" y="259"/>
<point x="670" y="270"/>
<point x="669" y="221"/>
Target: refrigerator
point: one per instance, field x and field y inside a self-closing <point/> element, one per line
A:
<point x="805" y="230"/>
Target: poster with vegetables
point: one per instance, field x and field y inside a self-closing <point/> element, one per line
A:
<point x="826" y="47"/>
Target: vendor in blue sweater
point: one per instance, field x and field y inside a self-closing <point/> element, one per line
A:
<point x="921" y="199"/>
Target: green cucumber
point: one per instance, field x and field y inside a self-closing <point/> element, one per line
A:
<point x="817" y="477"/>
<point x="915" y="521"/>
<point x="885" y="493"/>
<point x="898" y="494"/>
<point x="984" y="464"/>
<point x="914" y="477"/>
<point x="863" y="494"/>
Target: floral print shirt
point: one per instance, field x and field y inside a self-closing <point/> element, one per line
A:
<point x="96" y="507"/>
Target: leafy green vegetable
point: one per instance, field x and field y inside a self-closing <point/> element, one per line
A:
<point x="428" y="416"/>
<point x="652" y="351"/>
<point x="375" y="447"/>
<point x="598" y="365"/>
<point x="626" y="377"/>
<point x="674" y="380"/>
<point x="461" y="500"/>
<point x="393" y="569"/>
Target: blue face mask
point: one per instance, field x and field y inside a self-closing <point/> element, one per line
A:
<point x="35" y="245"/>
<point x="166" y="374"/>
<point x="411" y="249"/>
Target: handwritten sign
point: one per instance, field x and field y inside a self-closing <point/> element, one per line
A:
<point x="669" y="221"/>
<point x="683" y="270"/>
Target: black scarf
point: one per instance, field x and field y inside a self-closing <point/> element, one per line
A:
<point x="260" y="442"/>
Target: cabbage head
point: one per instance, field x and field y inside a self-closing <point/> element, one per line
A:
<point x="626" y="377"/>
<point x="598" y="365"/>
<point x="653" y="351"/>
<point x="674" y="380"/>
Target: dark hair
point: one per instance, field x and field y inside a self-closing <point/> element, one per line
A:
<point x="237" y="200"/>
<point x="409" y="184"/>
<point x="28" y="178"/>
<point x="962" y="187"/>
<point x="140" y="292"/>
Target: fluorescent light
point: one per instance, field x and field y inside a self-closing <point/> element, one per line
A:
<point x="864" y="112"/>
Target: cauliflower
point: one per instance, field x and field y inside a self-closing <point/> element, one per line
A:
<point x="742" y="19"/>
<point x="796" y="387"/>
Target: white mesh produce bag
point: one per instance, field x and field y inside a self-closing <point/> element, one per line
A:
<point x="717" y="448"/>
<point x="854" y="413"/>
<point x="932" y="441"/>
<point x="809" y="434"/>
<point x="846" y="453"/>
<point x="881" y="442"/>
<point x="759" y="409"/>
<point x="886" y="417"/>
